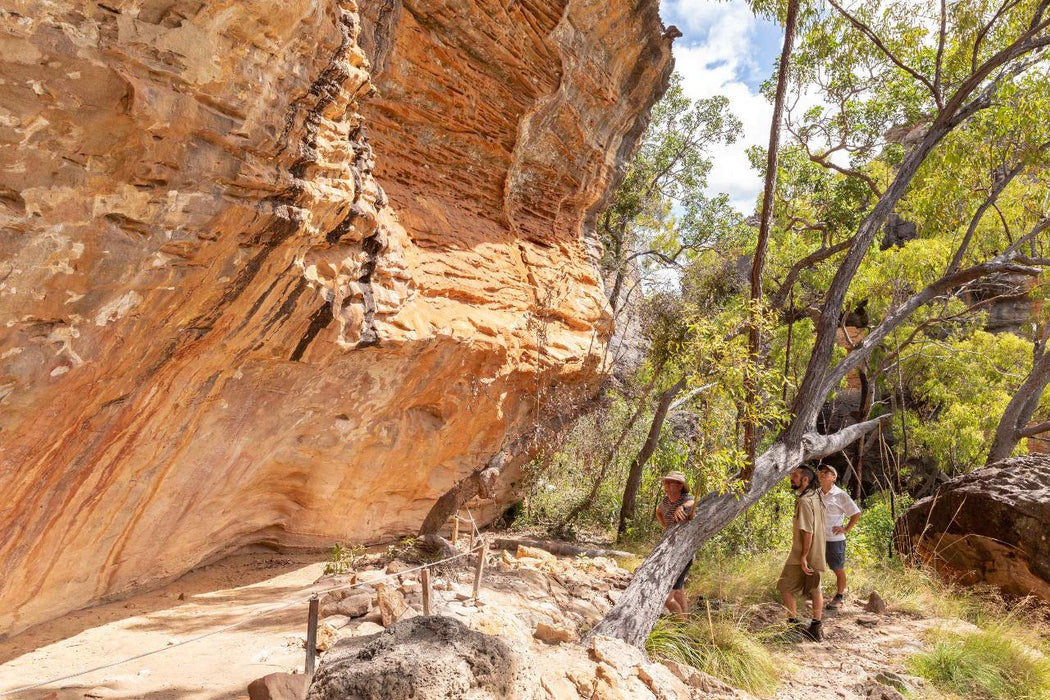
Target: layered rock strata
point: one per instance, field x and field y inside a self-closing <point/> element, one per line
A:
<point x="987" y="526"/>
<point x="285" y="272"/>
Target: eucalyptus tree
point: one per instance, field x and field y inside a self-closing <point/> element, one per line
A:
<point x="660" y="212"/>
<point x="932" y="69"/>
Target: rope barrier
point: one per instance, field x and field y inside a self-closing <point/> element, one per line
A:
<point x="227" y="628"/>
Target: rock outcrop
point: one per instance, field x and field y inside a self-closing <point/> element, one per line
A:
<point x="285" y="271"/>
<point x="988" y="526"/>
<point x="424" y="657"/>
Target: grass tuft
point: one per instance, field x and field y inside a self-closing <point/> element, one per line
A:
<point x="991" y="663"/>
<point x="718" y="647"/>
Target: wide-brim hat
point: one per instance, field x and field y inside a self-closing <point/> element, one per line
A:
<point x="674" y="476"/>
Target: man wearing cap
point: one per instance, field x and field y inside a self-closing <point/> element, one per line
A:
<point x="676" y="506"/>
<point x="840" y="506"/>
<point x="801" y="574"/>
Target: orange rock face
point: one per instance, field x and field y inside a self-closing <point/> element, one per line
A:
<point x="286" y="271"/>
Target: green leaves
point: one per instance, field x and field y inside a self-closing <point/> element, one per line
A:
<point x="660" y="215"/>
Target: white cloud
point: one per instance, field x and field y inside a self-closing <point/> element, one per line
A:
<point x="715" y="56"/>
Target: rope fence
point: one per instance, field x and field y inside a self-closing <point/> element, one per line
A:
<point x="311" y="626"/>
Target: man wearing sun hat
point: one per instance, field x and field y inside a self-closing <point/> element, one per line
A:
<point x="839" y="506"/>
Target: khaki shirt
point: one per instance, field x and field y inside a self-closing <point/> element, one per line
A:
<point x="810" y="516"/>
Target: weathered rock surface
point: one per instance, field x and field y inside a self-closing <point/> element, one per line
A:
<point x="990" y="525"/>
<point x="231" y="317"/>
<point x="279" y="686"/>
<point x="426" y="658"/>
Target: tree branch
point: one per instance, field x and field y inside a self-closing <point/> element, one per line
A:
<point x="1036" y="429"/>
<point x="993" y="195"/>
<point x="896" y="317"/>
<point x="816" y="257"/>
<point x="868" y="32"/>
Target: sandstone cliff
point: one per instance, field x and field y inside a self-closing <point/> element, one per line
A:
<point x="286" y="271"/>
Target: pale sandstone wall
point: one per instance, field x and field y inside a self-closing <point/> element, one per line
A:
<point x="230" y="314"/>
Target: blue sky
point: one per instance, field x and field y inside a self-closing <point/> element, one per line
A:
<point x="726" y="50"/>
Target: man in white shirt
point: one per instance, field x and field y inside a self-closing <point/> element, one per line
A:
<point x="839" y="506"/>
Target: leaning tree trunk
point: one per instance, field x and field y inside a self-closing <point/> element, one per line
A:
<point x="634" y="477"/>
<point x="1020" y="409"/>
<point x="635" y="613"/>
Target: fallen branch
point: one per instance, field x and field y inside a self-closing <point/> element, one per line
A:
<point x="559" y="548"/>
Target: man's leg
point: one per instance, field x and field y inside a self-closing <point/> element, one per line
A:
<point x="836" y="556"/>
<point x="672" y="603"/>
<point x="789" y="603"/>
<point x="840" y="581"/>
<point x="818" y="604"/>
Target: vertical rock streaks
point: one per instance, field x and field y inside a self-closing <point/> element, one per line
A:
<point x="286" y="271"/>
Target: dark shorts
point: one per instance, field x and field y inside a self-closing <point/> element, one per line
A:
<point x="679" y="583"/>
<point x="835" y="553"/>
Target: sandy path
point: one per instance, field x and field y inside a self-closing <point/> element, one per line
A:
<point x="857" y="647"/>
<point x="220" y="666"/>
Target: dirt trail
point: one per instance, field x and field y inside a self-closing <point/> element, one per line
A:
<point x="518" y="596"/>
<point x="858" y="648"/>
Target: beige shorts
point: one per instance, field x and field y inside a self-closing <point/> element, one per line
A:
<point x="794" y="581"/>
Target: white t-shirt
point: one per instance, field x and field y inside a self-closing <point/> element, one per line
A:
<point x="840" y="507"/>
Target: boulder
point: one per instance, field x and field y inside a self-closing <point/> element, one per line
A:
<point x="875" y="603"/>
<point x="706" y="684"/>
<point x="524" y="552"/>
<point x="366" y="628"/>
<point x="987" y="526"/>
<point x="391" y="604"/>
<point x="355" y="604"/>
<point x="615" y="652"/>
<point x="559" y="688"/>
<point x="553" y="634"/>
<point x="662" y="683"/>
<point x="423" y="658"/>
<point x="279" y="686"/>
<point x="327" y="636"/>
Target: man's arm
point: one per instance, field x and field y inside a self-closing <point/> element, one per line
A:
<point x="806" y="522"/>
<point x="807" y="543"/>
<point x="850" y="509"/>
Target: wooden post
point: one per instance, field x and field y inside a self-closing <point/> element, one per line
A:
<point x="311" y="635"/>
<point x="455" y="528"/>
<point x="424" y="576"/>
<point x="471" y="538"/>
<point x="482" y="550"/>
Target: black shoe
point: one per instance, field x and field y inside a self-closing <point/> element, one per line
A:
<point x="814" y="631"/>
<point x="835" y="603"/>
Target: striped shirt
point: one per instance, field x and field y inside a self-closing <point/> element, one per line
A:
<point x="667" y="507"/>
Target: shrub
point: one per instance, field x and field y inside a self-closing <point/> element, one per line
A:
<point x="344" y="558"/>
<point x="991" y="663"/>
<point x="871" y="541"/>
<point x="718" y="647"/>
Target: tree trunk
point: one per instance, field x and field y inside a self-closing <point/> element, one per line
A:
<point x="633" y="616"/>
<point x="754" y="339"/>
<point x="634" y="477"/>
<point x="1020" y="409"/>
